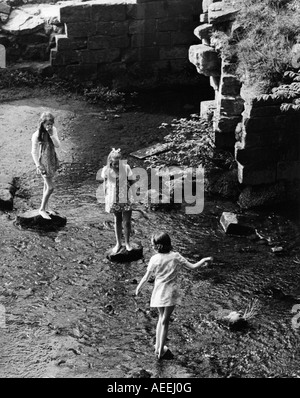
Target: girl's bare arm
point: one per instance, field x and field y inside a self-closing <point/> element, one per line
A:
<point x="142" y="282"/>
<point x="35" y="150"/>
<point x="54" y="138"/>
<point x="202" y="263"/>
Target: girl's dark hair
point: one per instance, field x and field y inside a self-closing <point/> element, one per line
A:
<point x="45" y="116"/>
<point x="162" y="242"/>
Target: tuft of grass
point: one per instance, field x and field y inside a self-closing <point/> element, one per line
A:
<point x="193" y="144"/>
<point x="270" y="29"/>
<point x="261" y="41"/>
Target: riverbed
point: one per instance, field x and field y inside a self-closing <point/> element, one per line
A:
<point x="70" y="312"/>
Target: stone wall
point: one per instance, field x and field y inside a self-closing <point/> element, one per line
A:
<point x="227" y="105"/>
<point x="263" y="131"/>
<point x="268" y="141"/>
<point x="117" y="37"/>
<point x="27" y="32"/>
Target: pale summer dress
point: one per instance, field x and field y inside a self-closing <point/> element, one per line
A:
<point x="166" y="267"/>
<point x="117" y="198"/>
<point x="45" y="151"/>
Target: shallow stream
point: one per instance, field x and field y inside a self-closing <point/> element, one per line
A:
<point x="69" y="312"/>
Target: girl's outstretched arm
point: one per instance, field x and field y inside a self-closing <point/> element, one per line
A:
<point x="202" y="263"/>
<point x="142" y="282"/>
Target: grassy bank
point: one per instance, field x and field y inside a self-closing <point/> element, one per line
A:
<point x="261" y="40"/>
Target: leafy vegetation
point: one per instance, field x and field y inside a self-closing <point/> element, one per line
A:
<point x="100" y="93"/>
<point x="288" y="93"/>
<point x="192" y="145"/>
<point x="93" y="93"/>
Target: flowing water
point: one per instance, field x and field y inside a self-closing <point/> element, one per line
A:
<point x="70" y="312"/>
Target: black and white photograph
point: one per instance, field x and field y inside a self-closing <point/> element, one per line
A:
<point x="150" y="192"/>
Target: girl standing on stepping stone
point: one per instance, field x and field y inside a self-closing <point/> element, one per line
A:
<point x="44" y="142"/>
<point x="116" y="175"/>
<point x="165" y="265"/>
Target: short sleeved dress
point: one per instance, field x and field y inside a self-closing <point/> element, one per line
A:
<point x="117" y="197"/>
<point x="166" y="267"/>
<point x="45" y="152"/>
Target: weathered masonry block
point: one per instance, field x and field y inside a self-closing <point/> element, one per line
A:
<point x="263" y="132"/>
<point x="125" y="35"/>
<point x="209" y="61"/>
<point x="268" y="146"/>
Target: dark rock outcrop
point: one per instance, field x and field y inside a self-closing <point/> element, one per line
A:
<point x="8" y="188"/>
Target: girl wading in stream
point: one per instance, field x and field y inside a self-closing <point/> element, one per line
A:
<point x="165" y="265"/>
<point x="44" y="142"/>
<point x="117" y="180"/>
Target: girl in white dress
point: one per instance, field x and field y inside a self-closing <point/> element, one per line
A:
<point x="165" y="265"/>
<point x="44" y="142"/>
<point x="116" y="175"/>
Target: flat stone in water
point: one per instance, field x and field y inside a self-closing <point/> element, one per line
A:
<point x="124" y="256"/>
<point x="232" y="225"/>
<point x="32" y="219"/>
<point x="152" y="150"/>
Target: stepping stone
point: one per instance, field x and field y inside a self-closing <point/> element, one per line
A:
<point x="152" y="150"/>
<point x="124" y="256"/>
<point x="232" y="226"/>
<point x="33" y="220"/>
<point x="8" y="188"/>
<point x="6" y="199"/>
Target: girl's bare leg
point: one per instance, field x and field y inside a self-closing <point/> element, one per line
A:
<point x="118" y="231"/>
<point x="48" y="210"/>
<point x="158" y="329"/>
<point x="127" y="228"/>
<point x="165" y="319"/>
<point x="47" y="191"/>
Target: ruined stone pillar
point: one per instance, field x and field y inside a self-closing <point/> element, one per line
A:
<point x="207" y="57"/>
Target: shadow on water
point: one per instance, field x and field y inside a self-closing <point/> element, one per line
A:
<point x="180" y="101"/>
<point x="289" y="210"/>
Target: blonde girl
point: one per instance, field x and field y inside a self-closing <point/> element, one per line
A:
<point x="44" y="141"/>
<point x="165" y="265"/>
<point x="116" y="175"/>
